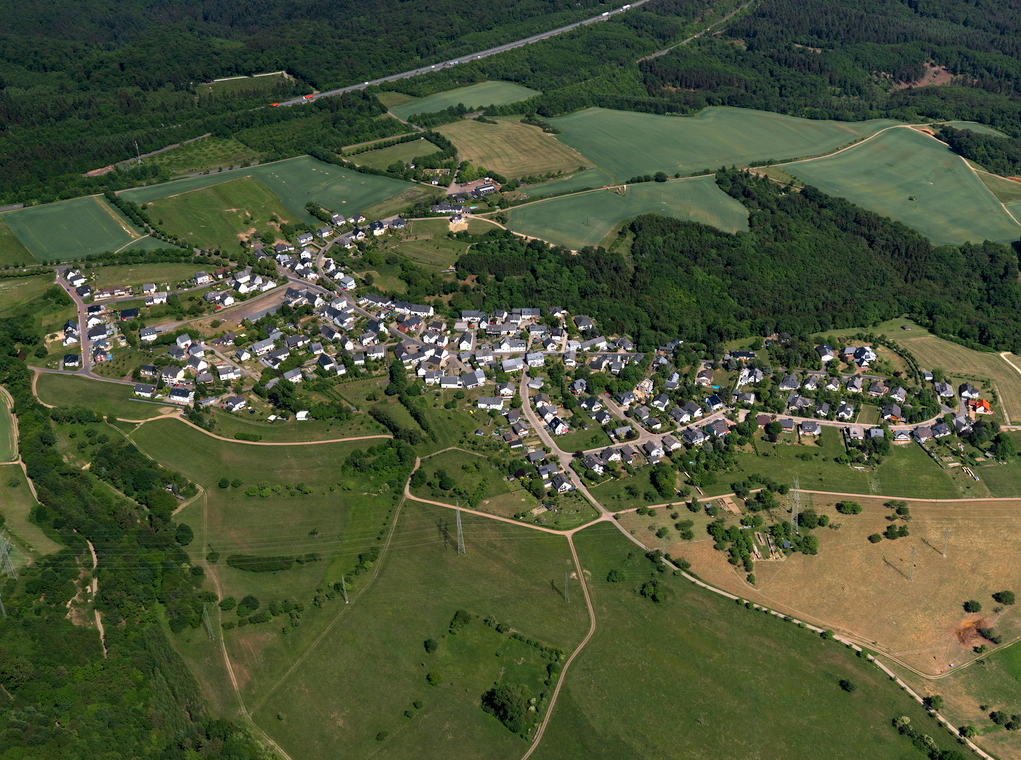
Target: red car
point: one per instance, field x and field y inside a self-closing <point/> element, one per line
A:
<point x="274" y="104"/>
<point x="308" y="97"/>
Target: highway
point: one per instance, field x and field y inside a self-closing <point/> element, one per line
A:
<point x="465" y="58"/>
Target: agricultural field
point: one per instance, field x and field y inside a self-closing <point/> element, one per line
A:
<point x="138" y="274"/>
<point x="206" y="154"/>
<point x="699" y="676"/>
<point x="511" y="148"/>
<point x="974" y="126"/>
<point x="71" y="229"/>
<point x="403" y="152"/>
<point x="12" y="251"/>
<point x="628" y="144"/>
<point x="872" y="592"/>
<point x="8" y="432"/>
<point x="590" y="178"/>
<point x="474" y="96"/>
<point x="1014" y="209"/>
<point x="102" y="397"/>
<point x="221" y="215"/>
<point x="393" y="99"/>
<point x="397" y="204"/>
<point x="1007" y="191"/>
<point x="509" y="572"/>
<point x="16" y="503"/>
<point x="916" y="180"/>
<point x="580" y="220"/>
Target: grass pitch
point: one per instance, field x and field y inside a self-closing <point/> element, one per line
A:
<point x="916" y="180"/>
<point x="511" y="148"/>
<point x="627" y="144"/>
<point x="474" y="96"/>
<point x="580" y="220"/>
<point x="221" y="215"/>
<point x="71" y="229"/>
<point x="698" y="676"/>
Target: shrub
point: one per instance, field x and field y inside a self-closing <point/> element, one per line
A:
<point x="1004" y="597"/>
<point x="972" y="606"/>
<point x="431" y="645"/>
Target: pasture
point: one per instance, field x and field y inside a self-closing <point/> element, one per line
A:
<point x="474" y="96"/>
<point x="914" y="179"/>
<point x="138" y="274"/>
<point x="221" y="215"/>
<point x="511" y="148"/>
<point x="105" y="398"/>
<point x="71" y="229"/>
<point x="590" y="178"/>
<point x="16" y="503"/>
<point x="871" y="591"/>
<point x="8" y="432"/>
<point x="627" y="144"/>
<point x="206" y="154"/>
<point x="12" y="250"/>
<point x="509" y="572"/>
<point x="403" y="152"/>
<point x="698" y="676"/>
<point x="577" y="221"/>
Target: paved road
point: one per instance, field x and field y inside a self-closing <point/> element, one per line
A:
<point x="465" y="58"/>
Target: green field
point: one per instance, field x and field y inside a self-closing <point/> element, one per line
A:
<point x="916" y="180"/>
<point x="474" y="473"/>
<point x="580" y="220"/>
<point x="581" y="181"/>
<point x="205" y="154"/>
<point x="220" y="215"/>
<point x="227" y="425"/>
<point x="474" y="96"/>
<point x="397" y="204"/>
<point x="511" y="148"/>
<point x="627" y="144"/>
<point x="8" y="433"/>
<point x="295" y="182"/>
<point x="138" y="274"/>
<point x="241" y="84"/>
<point x="16" y="503"/>
<point x="698" y="676"/>
<point x="12" y="251"/>
<point x="1006" y="191"/>
<point x="427" y="243"/>
<point x="70" y="229"/>
<point x="403" y="152"/>
<point x="974" y="126"/>
<point x="104" y="398"/>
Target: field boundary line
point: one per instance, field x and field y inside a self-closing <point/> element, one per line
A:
<point x="143" y="237"/>
<point x="121" y="223"/>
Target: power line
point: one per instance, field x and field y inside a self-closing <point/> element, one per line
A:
<point x="567" y="587"/>
<point x="797" y="502"/>
<point x="5" y="555"/>
<point x="460" y="535"/>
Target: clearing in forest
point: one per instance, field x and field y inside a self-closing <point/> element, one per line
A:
<point x="474" y="96"/>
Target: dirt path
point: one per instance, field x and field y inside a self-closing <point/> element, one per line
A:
<point x="94" y="588"/>
<point x="708" y="29"/>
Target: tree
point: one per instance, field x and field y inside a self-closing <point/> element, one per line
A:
<point x="847" y="686"/>
<point x="875" y="538"/>
<point x="616" y="576"/>
<point x="228" y="603"/>
<point x="508" y="704"/>
<point x="1004" y="597"/>
<point x="431" y="645"/>
<point x="933" y="702"/>
<point x="848" y="507"/>
<point x="184" y="534"/>
<point x="434" y="679"/>
<point x="249" y="603"/>
<point x="224" y="483"/>
<point x="972" y="606"/>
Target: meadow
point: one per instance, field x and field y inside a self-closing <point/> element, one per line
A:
<point x="474" y="96"/>
<point x="104" y="398"/>
<point x="70" y="229"/>
<point x="221" y="215"/>
<point x="8" y="432"/>
<point x="206" y="154"/>
<point x="240" y="84"/>
<point x="917" y="180"/>
<point x="138" y="274"/>
<point x="426" y="243"/>
<point x="511" y="148"/>
<point x="509" y="572"/>
<point x="472" y="471"/>
<point x="628" y="144"/>
<point x="698" y="676"/>
<point x="16" y="503"/>
<point x="292" y="431"/>
<point x="585" y="180"/>
<point x="1007" y="191"/>
<point x="580" y="220"/>
<point x="403" y="152"/>
<point x="12" y="250"/>
<point x="396" y="204"/>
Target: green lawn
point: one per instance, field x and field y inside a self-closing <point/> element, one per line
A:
<point x="8" y="433"/>
<point x="916" y="180"/>
<point x="698" y="676"/>
<point x="70" y="229"/>
<point x="138" y="274"/>
<point x="589" y="178"/>
<point x="580" y="439"/>
<point x="12" y="251"/>
<point x="1001" y="479"/>
<point x="220" y="215"/>
<point x="626" y="144"/>
<point x="509" y="572"/>
<point x="404" y="152"/>
<point x="580" y="220"/>
<point x="474" y="96"/>
<point x="16" y="504"/>
<point x="206" y="154"/>
<point x="104" y="398"/>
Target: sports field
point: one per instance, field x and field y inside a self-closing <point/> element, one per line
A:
<point x="221" y="215"/>
<point x="205" y="154"/>
<point x="698" y="676"/>
<point x="474" y="96"/>
<point x="12" y="251"/>
<point x="511" y="148"/>
<point x="403" y="152"/>
<point x="628" y="144"/>
<point x="580" y="220"/>
<point x="70" y="229"/>
<point x="581" y="181"/>
<point x="916" y="180"/>
<point x="105" y="398"/>
<point x="870" y="590"/>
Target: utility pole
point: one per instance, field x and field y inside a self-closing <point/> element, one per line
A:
<point x="5" y="555"/>
<point x="914" y="553"/>
<point x="460" y="535"/>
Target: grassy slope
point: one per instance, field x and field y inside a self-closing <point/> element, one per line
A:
<point x="512" y="148"/>
<point x="950" y="204"/>
<point x="12" y="251"/>
<point x="70" y="229"/>
<point x="427" y="243"/>
<point x="581" y="181"/>
<point x="581" y="220"/>
<point x="701" y="677"/>
<point x="105" y="398"/>
<point x="1006" y="190"/>
<point x="476" y="95"/>
<point x="628" y="144"/>
<point x="16" y="504"/>
<point x="8" y="433"/>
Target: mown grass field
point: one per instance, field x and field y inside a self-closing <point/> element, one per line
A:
<point x="334" y="703"/>
<point x="138" y="274"/>
<point x="627" y="144"/>
<point x="392" y="99"/>
<point x="8" y="433"/>
<point x="580" y="220"/>
<point x="206" y="154"/>
<point x="473" y="96"/>
<point x="221" y="215"/>
<point x="869" y="590"/>
<point x="698" y="676"/>
<point x="403" y="152"/>
<point x="70" y="229"/>
<point x="242" y="84"/>
<point x="585" y="180"/>
<point x="511" y="148"/>
<point x="16" y="503"/>
<point x="1006" y="190"/>
<point x="12" y="250"/>
<point x="916" y="180"/>
<point x="101" y="397"/>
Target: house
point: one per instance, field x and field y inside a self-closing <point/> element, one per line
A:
<point x="670" y="443"/>
<point x="561" y="484"/>
<point x="674" y="381"/>
<point x="704" y="378"/>
<point x="202" y="278"/>
<point x="693" y="410"/>
<point x="296" y="341"/>
<point x="923" y="433"/>
<point x="602" y="417"/>
<point x="504" y="389"/>
<point x="181" y="395"/>
<point x="941" y="430"/>
<point x="878" y="388"/>
<point x="744" y="399"/>
<point x="809" y="427"/>
<point x="242" y="355"/>
<point x="693" y="436"/>
<point x="304" y="238"/>
<point x="892" y="412"/>
<point x="172" y="374"/>
<point x="346" y="282"/>
<point x="899" y="395"/>
<point x="626" y="398"/>
<point x="183" y="341"/>
<point x="962" y="424"/>
<point x="854" y="385"/>
<point x="148" y="334"/>
<point x="234" y="403"/>
<point x="825" y="352"/>
<point x="558" y="426"/>
<point x="718" y="428"/>
<point x="790" y="383"/>
<point x="902" y="436"/>
<point x="325" y="362"/>
<point x="661" y="402"/>
<point x="980" y="406"/>
<point x="145" y="391"/>
<point x="148" y="370"/>
<point x="969" y="392"/>
<point x="536" y="383"/>
<point x="623" y="432"/>
<point x="579" y="386"/>
<point x="227" y="373"/>
<point x="652" y="449"/>
<point x="592" y="463"/>
<point x="860" y="355"/>
<point x="714" y="403"/>
<point x="293" y="375"/>
<point x="324" y="232"/>
<point x="512" y="365"/>
<point x="196" y="364"/>
<point x="490" y="402"/>
<point x="584" y="323"/>
<point x="263" y="347"/>
<point x="591" y="404"/>
<point x="742" y="356"/>
<point x="845" y="412"/>
<point x="822" y="409"/>
<point x="473" y="379"/>
<point x="451" y="382"/>
<point x="641" y="413"/>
